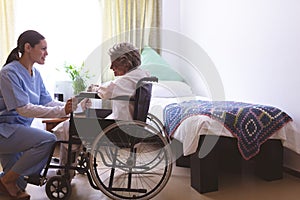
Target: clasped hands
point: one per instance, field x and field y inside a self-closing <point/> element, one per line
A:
<point x="72" y="103"/>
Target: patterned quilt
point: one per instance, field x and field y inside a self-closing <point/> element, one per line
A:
<point x="251" y="124"/>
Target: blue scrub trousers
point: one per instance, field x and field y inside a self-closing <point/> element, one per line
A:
<point x="26" y="152"/>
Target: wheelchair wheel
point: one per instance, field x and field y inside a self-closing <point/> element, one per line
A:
<point x="83" y="162"/>
<point x="130" y="160"/>
<point x="155" y="122"/>
<point x="58" y="187"/>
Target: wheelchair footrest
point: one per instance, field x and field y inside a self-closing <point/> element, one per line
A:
<point x="35" y="180"/>
<point x="128" y="190"/>
<point x="55" y="160"/>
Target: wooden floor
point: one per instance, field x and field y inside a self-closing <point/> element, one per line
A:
<point x="243" y="186"/>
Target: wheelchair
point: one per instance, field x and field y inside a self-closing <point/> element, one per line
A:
<point x="123" y="159"/>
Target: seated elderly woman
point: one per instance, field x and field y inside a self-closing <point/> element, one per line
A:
<point x="125" y="60"/>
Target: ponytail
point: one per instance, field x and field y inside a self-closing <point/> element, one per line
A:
<point x="30" y="36"/>
<point x="14" y="55"/>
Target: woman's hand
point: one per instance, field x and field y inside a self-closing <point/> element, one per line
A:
<point x="93" y="88"/>
<point x="71" y="105"/>
<point x="85" y="103"/>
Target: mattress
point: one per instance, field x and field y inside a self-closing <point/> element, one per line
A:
<point x="190" y="130"/>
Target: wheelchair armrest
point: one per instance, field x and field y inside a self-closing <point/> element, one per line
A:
<point x="92" y="95"/>
<point x="123" y="98"/>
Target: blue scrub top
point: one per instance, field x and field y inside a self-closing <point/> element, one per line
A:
<point x="17" y="89"/>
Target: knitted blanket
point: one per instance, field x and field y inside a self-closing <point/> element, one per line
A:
<point x="251" y="124"/>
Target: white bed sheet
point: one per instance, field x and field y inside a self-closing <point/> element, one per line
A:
<point x="190" y="130"/>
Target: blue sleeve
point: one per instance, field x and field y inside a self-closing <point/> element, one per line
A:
<point x="13" y="90"/>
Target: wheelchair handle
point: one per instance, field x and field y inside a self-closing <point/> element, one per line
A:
<point x="146" y="79"/>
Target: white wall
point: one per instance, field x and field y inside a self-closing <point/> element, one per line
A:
<point x="254" y="44"/>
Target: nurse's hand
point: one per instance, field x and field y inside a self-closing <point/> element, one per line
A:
<point x="71" y="105"/>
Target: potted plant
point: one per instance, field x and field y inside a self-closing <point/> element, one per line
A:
<point x="78" y="76"/>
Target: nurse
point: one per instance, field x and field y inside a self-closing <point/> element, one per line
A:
<point x="24" y="150"/>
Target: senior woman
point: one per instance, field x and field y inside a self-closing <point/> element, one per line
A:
<point x="125" y="61"/>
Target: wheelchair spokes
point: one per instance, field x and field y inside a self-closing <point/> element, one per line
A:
<point x="135" y="170"/>
<point x="58" y="188"/>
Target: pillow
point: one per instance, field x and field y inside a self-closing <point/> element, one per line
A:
<point x="157" y="66"/>
<point x="168" y="89"/>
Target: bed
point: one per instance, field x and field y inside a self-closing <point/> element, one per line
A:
<point x="190" y="133"/>
<point x="201" y="141"/>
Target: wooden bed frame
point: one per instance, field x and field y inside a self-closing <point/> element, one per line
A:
<point x="205" y="171"/>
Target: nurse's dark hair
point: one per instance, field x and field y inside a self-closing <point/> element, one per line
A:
<point x="30" y="36"/>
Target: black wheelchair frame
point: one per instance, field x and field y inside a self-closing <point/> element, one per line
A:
<point x="123" y="159"/>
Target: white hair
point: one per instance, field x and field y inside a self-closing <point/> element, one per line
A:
<point x="125" y="50"/>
